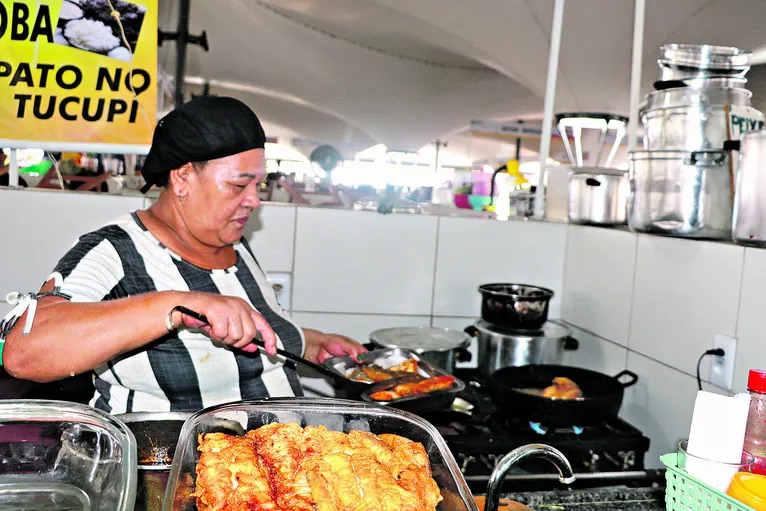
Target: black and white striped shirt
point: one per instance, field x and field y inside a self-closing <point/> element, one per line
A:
<point x="184" y="370"/>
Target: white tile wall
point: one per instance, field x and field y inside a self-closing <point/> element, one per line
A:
<point x="364" y="262"/>
<point x="660" y="405"/>
<point x="598" y="281"/>
<point x="595" y="353"/>
<point x="685" y="292"/>
<point x="356" y="326"/>
<point x="271" y="235"/>
<point x="474" y="252"/>
<point x="40" y="226"/>
<point x="751" y="328"/>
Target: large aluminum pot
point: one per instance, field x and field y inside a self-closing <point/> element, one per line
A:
<point x="678" y="193"/>
<point x="691" y="96"/>
<point x="689" y="119"/>
<point x="598" y="196"/>
<point x="502" y="347"/>
<point x="749" y="227"/>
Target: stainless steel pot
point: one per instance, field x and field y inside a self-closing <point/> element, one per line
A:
<point x="689" y="119"/>
<point x="598" y="196"/>
<point x="500" y="347"/>
<point x="749" y="225"/>
<point x="691" y="96"/>
<point x="441" y="347"/>
<point x="679" y="193"/>
<point x="729" y="82"/>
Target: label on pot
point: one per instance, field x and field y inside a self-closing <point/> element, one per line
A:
<point x="744" y="119"/>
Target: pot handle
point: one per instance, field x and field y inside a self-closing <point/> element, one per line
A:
<point x="668" y="84"/>
<point x="592" y="182"/>
<point x="717" y="157"/>
<point x="472" y="331"/>
<point x="569" y="343"/>
<point x="625" y="384"/>
<point x="731" y="145"/>
<point x="463" y="355"/>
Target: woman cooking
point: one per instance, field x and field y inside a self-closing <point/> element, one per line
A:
<point x="109" y="305"/>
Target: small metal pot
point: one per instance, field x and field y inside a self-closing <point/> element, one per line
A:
<point x="440" y="347"/>
<point x="500" y="347"/>
<point x="677" y="193"/>
<point x="518" y="306"/>
<point x="598" y="196"/>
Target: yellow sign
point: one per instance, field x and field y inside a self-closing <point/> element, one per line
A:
<point x="78" y="74"/>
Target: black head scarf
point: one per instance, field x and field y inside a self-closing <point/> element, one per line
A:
<point x="205" y="128"/>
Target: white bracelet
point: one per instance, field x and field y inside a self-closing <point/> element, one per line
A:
<point x="169" y="321"/>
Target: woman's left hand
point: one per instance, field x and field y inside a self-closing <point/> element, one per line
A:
<point x="321" y="346"/>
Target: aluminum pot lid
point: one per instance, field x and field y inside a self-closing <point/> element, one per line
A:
<point x="549" y="330"/>
<point x="705" y="56"/>
<point x="420" y="338"/>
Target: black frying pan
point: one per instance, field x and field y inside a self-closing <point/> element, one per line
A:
<point x="602" y="394"/>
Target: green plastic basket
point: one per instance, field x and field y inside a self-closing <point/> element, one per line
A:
<point x="685" y="493"/>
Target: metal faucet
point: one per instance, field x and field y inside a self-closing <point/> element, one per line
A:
<point x="546" y="452"/>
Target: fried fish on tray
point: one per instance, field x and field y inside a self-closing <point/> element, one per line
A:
<point x="414" y="388"/>
<point x="408" y="366"/>
<point x="285" y="467"/>
<point x="374" y="373"/>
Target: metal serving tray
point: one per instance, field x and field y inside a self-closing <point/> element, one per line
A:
<point x="385" y="358"/>
<point x="420" y="403"/>
<point x="335" y="414"/>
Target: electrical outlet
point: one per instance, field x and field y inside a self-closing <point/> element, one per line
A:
<point x="722" y="368"/>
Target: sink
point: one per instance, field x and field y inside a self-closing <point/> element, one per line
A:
<point x="597" y="499"/>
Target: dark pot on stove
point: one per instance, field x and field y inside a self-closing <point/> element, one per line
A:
<point x="517" y="306"/>
<point x="156" y="439"/>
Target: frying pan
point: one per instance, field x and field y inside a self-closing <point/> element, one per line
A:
<point x="602" y="394"/>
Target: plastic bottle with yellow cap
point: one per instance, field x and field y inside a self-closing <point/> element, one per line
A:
<point x="749" y="489"/>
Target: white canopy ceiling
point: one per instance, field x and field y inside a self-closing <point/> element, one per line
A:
<point x="408" y="72"/>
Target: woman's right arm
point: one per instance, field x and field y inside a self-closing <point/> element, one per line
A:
<point x="70" y="338"/>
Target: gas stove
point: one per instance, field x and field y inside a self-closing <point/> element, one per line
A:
<point x="601" y="454"/>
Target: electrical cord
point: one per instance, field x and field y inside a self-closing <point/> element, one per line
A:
<point x="718" y="352"/>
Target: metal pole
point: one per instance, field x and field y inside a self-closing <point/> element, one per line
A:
<point x="635" y="72"/>
<point x="181" y="43"/>
<point x="550" y="96"/>
<point x="13" y="168"/>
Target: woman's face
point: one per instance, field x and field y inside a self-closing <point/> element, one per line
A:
<point x="221" y="195"/>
